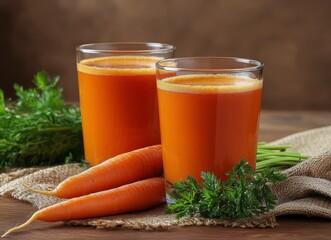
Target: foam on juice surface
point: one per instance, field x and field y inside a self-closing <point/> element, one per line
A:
<point x="209" y="83"/>
<point x="119" y="65"/>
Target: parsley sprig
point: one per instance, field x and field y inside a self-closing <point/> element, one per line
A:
<point x="245" y="194"/>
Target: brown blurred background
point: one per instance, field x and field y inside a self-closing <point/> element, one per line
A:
<point x="292" y="38"/>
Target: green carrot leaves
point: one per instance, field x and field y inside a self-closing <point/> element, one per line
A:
<point x="245" y="194"/>
<point x="38" y="128"/>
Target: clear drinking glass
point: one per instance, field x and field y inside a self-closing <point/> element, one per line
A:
<point x="118" y="99"/>
<point x="209" y="114"/>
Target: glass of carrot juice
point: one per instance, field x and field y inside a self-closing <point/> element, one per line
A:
<point x="209" y="114"/>
<point x="118" y="96"/>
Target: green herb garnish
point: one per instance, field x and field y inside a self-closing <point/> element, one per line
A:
<point x="245" y="194"/>
<point x="39" y="128"/>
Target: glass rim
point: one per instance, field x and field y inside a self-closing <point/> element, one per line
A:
<point x="154" y="47"/>
<point x="258" y="65"/>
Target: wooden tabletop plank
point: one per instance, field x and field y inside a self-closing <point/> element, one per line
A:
<point x="278" y="124"/>
<point x="273" y="125"/>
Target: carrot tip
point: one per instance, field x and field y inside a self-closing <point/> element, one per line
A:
<point x="50" y="193"/>
<point x="14" y="229"/>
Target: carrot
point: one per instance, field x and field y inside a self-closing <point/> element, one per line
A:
<point x="117" y="171"/>
<point x="128" y="198"/>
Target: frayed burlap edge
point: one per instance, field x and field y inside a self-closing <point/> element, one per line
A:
<point x="13" y="174"/>
<point x="156" y="219"/>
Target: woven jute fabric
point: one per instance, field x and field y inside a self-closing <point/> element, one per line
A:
<point x="307" y="191"/>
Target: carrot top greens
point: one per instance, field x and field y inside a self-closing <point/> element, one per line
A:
<point x="39" y="128"/>
<point x="245" y="194"/>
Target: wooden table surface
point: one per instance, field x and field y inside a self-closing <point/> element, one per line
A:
<point x="274" y="125"/>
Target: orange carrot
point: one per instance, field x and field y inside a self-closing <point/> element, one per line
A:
<point x="117" y="171"/>
<point x="128" y="198"/>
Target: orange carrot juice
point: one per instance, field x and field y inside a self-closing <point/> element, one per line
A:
<point x="208" y="123"/>
<point x="118" y="100"/>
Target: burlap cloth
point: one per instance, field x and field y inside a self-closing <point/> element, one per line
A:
<point x="307" y="191"/>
